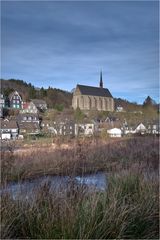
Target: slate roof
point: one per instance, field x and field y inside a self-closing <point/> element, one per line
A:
<point x="21" y="116"/>
<point x="38" y="101"/>
<point x="8" y="124"/>
<point x="94" y="91"/>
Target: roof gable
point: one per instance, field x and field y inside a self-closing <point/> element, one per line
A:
<point x="94" y="91"/>
<point x="14" y="93"/>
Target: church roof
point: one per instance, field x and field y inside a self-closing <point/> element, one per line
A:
<point x="94" y="91"/>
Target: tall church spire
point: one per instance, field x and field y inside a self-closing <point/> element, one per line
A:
<point x="101" y="81"/>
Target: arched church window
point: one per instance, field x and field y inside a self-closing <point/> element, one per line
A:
<point x="100" y="103"/>
<point x="107" y="104"/>
<point x="77" y="102"/>
<point x="89" y="102"/>
<point x="94" y="103"/>
<point x="82" y="101"/>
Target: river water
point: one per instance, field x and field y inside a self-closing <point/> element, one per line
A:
<point x="28" y="188"/>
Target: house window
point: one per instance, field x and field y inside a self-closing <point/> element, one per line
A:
<point x="14" y="106"/>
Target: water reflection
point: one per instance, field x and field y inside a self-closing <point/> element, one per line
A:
<point x="27" y="189"/>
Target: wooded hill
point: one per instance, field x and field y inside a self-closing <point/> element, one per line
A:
<point x="54" y="97"/>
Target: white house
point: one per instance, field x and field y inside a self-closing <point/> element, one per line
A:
<point x="115" y="132"/>
<point x="154" y="128"/>
<point x="6" y="136"/>
<point x="85" y="129"/>
<point x="140" y="129"/>
<point x="119" y="109"/>
<point x="8" y="129"/>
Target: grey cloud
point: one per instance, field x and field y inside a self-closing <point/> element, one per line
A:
<point x="71" y="42"/>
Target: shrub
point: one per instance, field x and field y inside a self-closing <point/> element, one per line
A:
<point x="59" y="107"/>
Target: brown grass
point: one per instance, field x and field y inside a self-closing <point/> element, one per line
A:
<point x="82" y="156"/>
<point x="127" y="210"/>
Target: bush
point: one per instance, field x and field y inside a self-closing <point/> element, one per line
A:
<point x="79" y="115"/>
<point x="59" y="107"/>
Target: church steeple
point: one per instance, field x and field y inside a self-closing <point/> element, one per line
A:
<point x="101" y="81"/>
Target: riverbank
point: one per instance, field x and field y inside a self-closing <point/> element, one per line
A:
<point x="128" y="209"/>
<point x="80" y="157"/>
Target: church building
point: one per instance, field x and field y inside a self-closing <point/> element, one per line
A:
<point x="93" y="98"/>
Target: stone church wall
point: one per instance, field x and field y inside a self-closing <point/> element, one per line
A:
<point x="85" y="102"/>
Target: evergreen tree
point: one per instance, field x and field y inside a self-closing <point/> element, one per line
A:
<point x="148" y="102"/>
<point x="32" y="93"/>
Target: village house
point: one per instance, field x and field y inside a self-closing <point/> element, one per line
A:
<point x="86" y="129"/>
<point x="8" y="129"/>
<point x="40" y="104"/>
<point x="1" y="112"/>
<point x="29" y="107"/>
<point x="29" y="128"/>
<point x="15" y="100"/>
<point x="115" y="132"/>
<point x="61" y="128"/>
<point x="68" y="127"/>
<point x="2" y="105"/>
<point x="154" y="127"/>
<point x="45" y="124"/>
<point x="120" y="109"/>
<point x="93" y="98"/>
<point x="28" y="117"/>
<point x="28" y="123"/>
<point x="140" y="129"/>
<point x="2" y="101"/>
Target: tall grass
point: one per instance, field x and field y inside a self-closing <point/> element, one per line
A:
<point x="127" y="210"/>
<point x="140" y="154"/>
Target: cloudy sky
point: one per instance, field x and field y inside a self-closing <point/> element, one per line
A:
<point x="60" y="44"/>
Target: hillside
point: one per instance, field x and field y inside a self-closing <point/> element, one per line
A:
<point x="54" y="97"/>
<point x="57" y="98"/>
<point x="128" y="106"/>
